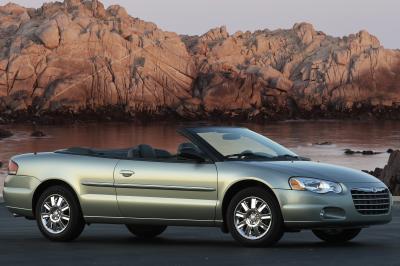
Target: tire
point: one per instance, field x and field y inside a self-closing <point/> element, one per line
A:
<point x="337" y="235"/>
<point x="146" y="231"/>
<point x="255" y="229"/>
<point x="59" y="221"/>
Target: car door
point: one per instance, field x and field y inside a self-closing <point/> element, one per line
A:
<point x="166" y="190"/>
<point x="97" y="193"/>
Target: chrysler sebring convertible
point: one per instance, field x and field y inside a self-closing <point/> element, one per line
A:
<point x="232" y="178"/>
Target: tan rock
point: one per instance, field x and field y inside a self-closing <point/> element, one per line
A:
<point x="216" y="34"/>
<point x="305" y="32"/>
<point x="78" y="55"/>
<point x="281" y="83"/>
<point x="72" y="3"/>
<point x="367" y="39"/>
<point x="342" y="57"/>
<point x="49" y="35"/>
<point x="391" y="173"/>
<point x="117" y="11"/>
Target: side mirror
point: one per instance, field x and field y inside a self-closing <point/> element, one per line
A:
<point x="192" y="154"/>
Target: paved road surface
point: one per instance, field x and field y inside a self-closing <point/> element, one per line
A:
<point x="21" y="243"/>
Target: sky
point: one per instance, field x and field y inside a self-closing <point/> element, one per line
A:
<point x="334" y="17"/>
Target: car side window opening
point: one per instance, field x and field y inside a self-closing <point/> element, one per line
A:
<point x="184" y="152"/>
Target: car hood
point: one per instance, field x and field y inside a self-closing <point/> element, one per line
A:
<point x="317" y="170"/>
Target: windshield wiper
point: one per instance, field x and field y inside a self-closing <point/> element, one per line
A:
<point x="246" y="154"/>
<point x="290" y="157"/>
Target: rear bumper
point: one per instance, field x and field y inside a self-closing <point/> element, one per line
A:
<point x="305" y="210"/>
<point x="18" y="194"/>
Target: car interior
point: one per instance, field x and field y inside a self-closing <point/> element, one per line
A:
<point x="185" y="151"/>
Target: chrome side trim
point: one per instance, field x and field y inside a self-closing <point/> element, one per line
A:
<point x="97" y="184"/>
<point x="160" y="221"/>
<point x="146" y="186"/>
<point x="144" y="219"/>
<point x="164" y="187"/>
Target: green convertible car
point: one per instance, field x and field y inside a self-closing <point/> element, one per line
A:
<point x="232" y="178"/>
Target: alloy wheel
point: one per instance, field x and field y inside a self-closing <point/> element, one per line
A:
<point x="252" y="218"/>
<point x="55" y="214"/>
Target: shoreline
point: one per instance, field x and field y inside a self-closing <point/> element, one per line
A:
<point x="115" y="114"/>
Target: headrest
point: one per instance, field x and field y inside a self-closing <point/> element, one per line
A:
<point x="187" y="145"/>
<point x="146" y="151"/>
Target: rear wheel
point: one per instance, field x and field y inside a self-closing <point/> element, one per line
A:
<point x="58" y="214"/>
<point x="254" y="218"/>
<point x="146" y="231"/>
<point x="337" y="235"/>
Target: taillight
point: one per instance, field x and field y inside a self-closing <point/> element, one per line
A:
<point x="12" y="168"/>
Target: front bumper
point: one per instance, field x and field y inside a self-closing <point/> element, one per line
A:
<point x="18" y="194"/>
<point x="304" y="209"/>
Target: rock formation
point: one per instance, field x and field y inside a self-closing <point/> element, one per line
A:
<point x="5" y="133"/>
<point x="391" y="173"/>
<point x="75" y="56"/>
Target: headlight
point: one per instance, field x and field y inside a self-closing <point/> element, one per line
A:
<point x="314" y="185"/>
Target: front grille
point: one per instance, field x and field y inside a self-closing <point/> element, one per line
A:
<point x="370" y="201"/>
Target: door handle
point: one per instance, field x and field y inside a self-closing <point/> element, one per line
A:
<point x="126" y="173"/>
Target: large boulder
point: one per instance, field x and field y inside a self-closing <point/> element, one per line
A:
<point x="391" y="173"/>
<point x="49" y="34"/>
<point x="5" y="133"/>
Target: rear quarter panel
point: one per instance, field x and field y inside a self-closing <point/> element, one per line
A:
<point x="73" y="170"/>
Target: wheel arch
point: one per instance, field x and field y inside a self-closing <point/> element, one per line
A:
<point x="234" y="189"/>
<point x="49" y="183"/>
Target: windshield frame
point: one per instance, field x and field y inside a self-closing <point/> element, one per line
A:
<point x="192" y="134"/>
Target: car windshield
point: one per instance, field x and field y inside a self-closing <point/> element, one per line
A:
<point x="243" y="144"/>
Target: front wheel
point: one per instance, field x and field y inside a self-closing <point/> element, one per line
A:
<point x="254" y="218"/>
<point x="337" y="235"/>
<point x="146" y="231"/>
<point x="58" y="214"/>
